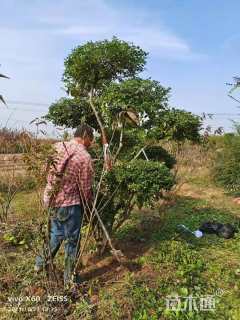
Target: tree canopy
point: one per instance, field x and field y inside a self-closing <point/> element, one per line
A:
<point x="96" y="64"/>
<point x="108" y="73"/>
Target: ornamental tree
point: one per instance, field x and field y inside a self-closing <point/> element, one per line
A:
<point x="104" y="88"/>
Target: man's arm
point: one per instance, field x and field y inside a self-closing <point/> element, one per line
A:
<point x="51" y="171"/>
<point x="48" y="191"/>
<point x="85" y="177"/>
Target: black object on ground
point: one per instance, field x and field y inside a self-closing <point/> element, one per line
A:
<point x="222" y="230"/>
<point x="226" y="231"/>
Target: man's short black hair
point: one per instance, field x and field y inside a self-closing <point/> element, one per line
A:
<point x="84" y="130"/>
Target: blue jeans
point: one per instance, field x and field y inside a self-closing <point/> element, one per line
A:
<point x="65" y="225"/>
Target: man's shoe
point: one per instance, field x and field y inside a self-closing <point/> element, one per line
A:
<point x="38" y="268"/>
<point x="47" y="267"/>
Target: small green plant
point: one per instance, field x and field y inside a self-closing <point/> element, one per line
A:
<point x="19" y="235"/>
<point x="10" y="186"/>
<point x="83" y="310"/>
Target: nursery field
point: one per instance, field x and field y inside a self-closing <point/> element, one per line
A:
<point x="161" y="265"/>
<point x="119" y="161"/>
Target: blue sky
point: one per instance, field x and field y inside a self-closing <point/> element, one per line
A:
<point x="193" y="48"/>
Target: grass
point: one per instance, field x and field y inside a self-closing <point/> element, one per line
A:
<point x="185" y="266"/>
<point x="161" y="263"/>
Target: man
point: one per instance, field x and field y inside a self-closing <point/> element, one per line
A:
<point x="68" y="189"/>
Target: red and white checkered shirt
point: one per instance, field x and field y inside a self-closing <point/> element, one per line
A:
<point x="75" y="163"/>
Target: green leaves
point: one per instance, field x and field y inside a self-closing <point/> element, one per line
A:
<point x="144" y="179"/>
<point x="146" y="97"/>
<point x="19" y="235"/>
<point x="10" y="238"/>
<point x="226" y="170"/>
<point x="71" y="112"/>
<point x="178" y="125"/>
<point x="95" y="64"/>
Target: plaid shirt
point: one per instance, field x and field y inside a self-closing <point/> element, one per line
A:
<point x="75" y="164"/>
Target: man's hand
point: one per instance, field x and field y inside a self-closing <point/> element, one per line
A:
<point x="108" y="163"/>
<point x="45" y="205"/>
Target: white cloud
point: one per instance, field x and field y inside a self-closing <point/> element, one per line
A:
<point x="82" y="30"/>
<point x="95" y="20"/>
<point x="151" y="38"/>
<point x="73" y="12"/>
<point x="158" y="39"/>
<point x="54" y="25"/>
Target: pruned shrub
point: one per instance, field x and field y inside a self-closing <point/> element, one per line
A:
<point x="226" y="170"/>
<point x="143" y="179"/>
<point x="138" y="182"/>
